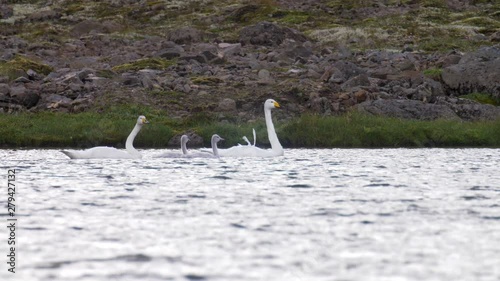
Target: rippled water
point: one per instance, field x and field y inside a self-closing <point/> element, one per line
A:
<point x="339" y="214"/>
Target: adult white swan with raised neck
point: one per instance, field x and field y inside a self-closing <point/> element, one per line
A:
<point x="252" y="150"/>
<point x="105" y="152"/>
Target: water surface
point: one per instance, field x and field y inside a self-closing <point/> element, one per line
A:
<point x="336" y="214"/>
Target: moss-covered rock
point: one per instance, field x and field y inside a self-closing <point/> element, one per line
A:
<point x="19" y="65"/>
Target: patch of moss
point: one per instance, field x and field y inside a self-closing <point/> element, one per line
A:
<point x="295" y="17"/>
<point x="148" y="63"/>
<point x="105" y="73"/>
<point x="20" y="64"/>
<point x="433" y="73"/>
<point x="482" y="98"/>
<point x="434" y="3"/>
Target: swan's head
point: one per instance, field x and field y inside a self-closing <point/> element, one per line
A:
<point x="142" y="120"/>
<point x="270" y="104"/>
<point x="216" y="138"/>
<point x="184" y="139"/>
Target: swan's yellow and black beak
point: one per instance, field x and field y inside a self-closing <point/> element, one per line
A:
<point x="276" y="104"/>
<point x="145" y="121"/>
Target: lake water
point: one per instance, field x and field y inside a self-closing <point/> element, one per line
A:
<point x="336" y="214"/>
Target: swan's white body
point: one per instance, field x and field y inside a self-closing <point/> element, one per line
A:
<point x="252" y="150"/>
<point x="186" y="154"/>
<point x="104" y="152"/>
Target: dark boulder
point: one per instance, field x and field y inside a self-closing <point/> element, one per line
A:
<point x="476" y="72"/>
<point x="186" y="35"/>
<point x="269" y="34"/>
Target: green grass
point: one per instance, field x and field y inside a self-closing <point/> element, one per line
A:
<point x="358" y="130"/>
<point x="148" y="63"/>
<point x="433" y="73"/>
<point x="482" y="98"/>
<point x="351" y="130"/>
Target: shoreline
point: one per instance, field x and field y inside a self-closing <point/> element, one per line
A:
<point x="352" y="130"/>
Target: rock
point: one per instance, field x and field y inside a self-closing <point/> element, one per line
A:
<point x="295" y="50"/>
<point x="361" y="96"/>
<point x="383" y="72"/>
<point x="194" y="140"/>
<point x="54" y="101"/>
<point x="6" y="11"/>
<point x="227" y="105"/>
<point x="448" y="60"/>
<point x="470" y="110"/>
<point x="230" y="49"/>
<point x="131" y="80"/>
<point x="407" y="109"/>
<point x="21" y="95"/>
<point x="186" y="35"/>
<point x="198" y="58"/>
<point x="268" y="34"/>
<point x="170" y="50"/>
<point x="321" y="105"/>
<point x="476" y="72"/>
<point x="86" y="26"/>
<point x="81" y="104"/>
<point x="242" y="13"/>
<point x="357" y="81"/>
<point x="348" y="69"/>
<point x="265" y="77"/>
<point x="4" y="89"/>
<point x="336" y="75"/>
<point x="44" y="15"/>
<point x="495" y="37"/>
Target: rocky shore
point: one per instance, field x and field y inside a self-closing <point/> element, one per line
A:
<point x="73" y="62"/>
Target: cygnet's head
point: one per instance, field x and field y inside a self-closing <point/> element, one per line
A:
<point x="142" y="120"/>
<point x="270" y="104"/>
<point x="184" y="139"/>
<point x="216" y="138"/>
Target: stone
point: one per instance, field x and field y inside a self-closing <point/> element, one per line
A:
<point x="361" y="96"/>
<point x="195" y="140"/>
<point x="6" y="11"/>
<point x="268" y="34"/>
<point x="186" y="35"/>
<point x="476" y="72"/>
<point x="86" y="26"/>
<point x="4" y="89"/>
<point x="357" y="81"/>
<point x="230" y="49"/>
<point x="227" y="105"/>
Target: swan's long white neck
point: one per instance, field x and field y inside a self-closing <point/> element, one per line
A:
<point x="271" y="133"/>
<point x="214" y="147"/>
<point x="184" y="148"/>
<point x="129" y="145"/>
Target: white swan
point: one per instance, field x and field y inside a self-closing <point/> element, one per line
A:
<point x="185" y="154"/>
<point x="215" y="151"/>
<point x="184" y="140"/>
<point x="102" y="152"/>
<point x="253" y="151"/>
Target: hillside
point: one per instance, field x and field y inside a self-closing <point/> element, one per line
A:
<point x="426" y="60"/>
